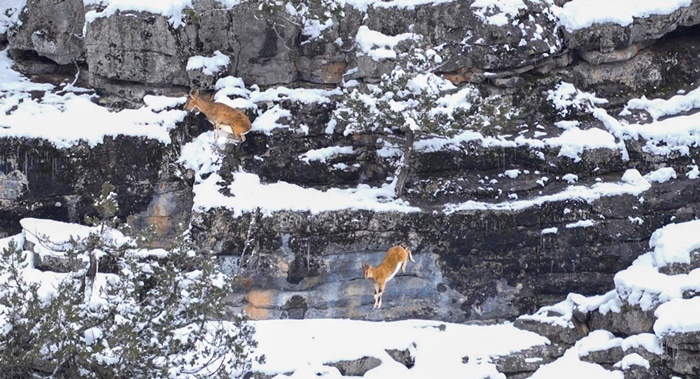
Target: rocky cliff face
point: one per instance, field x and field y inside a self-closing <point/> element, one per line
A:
<point x="517" y="246"/>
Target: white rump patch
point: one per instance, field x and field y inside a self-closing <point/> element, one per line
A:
<point x="398" y="267"/>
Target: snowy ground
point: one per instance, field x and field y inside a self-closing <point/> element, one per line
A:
<point x="303" y="347"/>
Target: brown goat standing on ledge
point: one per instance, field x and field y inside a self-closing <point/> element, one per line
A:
<point x="222" y="116"/>
<point x="395" y="259"/>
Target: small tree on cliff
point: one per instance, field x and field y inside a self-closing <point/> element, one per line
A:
<point x="155" y="314"/>
<point x="409" y="103"/>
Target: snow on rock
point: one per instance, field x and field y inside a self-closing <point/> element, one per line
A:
<point x="301" y="95"/>
<point x="674" y="243"/>
<point x="270" y="120"/>
<point x="201" y="156"/>
<point x="9" y="14"/>
<point x="247" y="194"/>
<point x="650" y="342"/>
<point x="658" y="108"/>
<point x="53" y="237"/>
<point x="579" y="14"/>
<point x="571" y="365"/>
<point x="321" y="155"/>
<point x="630" y="360"/>
<point x="573" y="141"/>
<point x="172" y="9"/>
<point x="598" y="340"/>
<point x="580" y="224"/>
<point x="642" y="284"/>
<point x="79" y="118"/>
<point x="570" y="178"/>
<point x="678" y="316"/>
<point x="37" y="118"/>
<point x="13" y="81"/>
<point x="661" y="175"/>
<point x="565" y="96"/>
<point x="208" y="65"/>
<point x="498" y="13"/>
<point x="159" y="103"/>
<point x="376" y="45"/>
<point x="512" y="173"/>
<point x="667" y="136"/>
<point x="632" y="182"/>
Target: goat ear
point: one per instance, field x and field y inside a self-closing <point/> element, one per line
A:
<point x="193" y="93"/>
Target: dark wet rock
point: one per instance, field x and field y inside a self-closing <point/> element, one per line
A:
<point x="60" y="184"/>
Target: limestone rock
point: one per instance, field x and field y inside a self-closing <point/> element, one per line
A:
<point x="206" y="77"/>
<point x="638" y="71"/>
<point x="137" y="47"/>
<point x="402" y="356"/>
<point x="357" y="367"/>
<point x="53" y="29"/>
<point x="470" y="39"/>
<point x="596" y="57"/>
<point x="685" y="362"/>
<point x="630" y="320"/>
<point x="605" y="357"/>
<point x="12" y="186"/>
<point x="528" y="360"/>
<point x="558" y="334"/>
<point x="609" y="36"/>
<point x="683" y="341"/>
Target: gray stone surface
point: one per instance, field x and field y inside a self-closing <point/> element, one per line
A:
<point x="609" y="36"/>
<point x="53" y="29"/>
<point x="356" y="367"/>
<point x="528" y="360"/>
<point x="629" y="321"/>
<point x="558" y="334"/>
